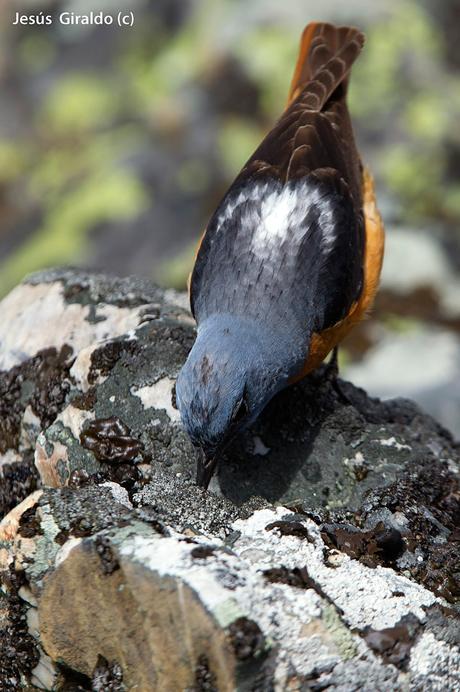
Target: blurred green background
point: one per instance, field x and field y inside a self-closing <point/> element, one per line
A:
<point x="117" y="144"/>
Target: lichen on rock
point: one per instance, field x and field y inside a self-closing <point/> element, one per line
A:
<point x="325" y="555"/>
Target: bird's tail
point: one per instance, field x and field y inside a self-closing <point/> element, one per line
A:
<point x="326" y="55"/>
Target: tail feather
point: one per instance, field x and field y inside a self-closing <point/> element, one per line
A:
<point x="326" y="56"/>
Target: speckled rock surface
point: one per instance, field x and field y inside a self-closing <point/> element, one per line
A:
<point x="325" y="556"/>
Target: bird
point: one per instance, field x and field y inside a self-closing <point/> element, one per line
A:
<point x="289" y="261"/>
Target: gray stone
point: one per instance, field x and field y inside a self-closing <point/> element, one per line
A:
<point x="416" y="355"/>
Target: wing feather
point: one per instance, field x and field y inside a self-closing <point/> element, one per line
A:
<point x="306" y="270"/>
<point x="288" y="237"/>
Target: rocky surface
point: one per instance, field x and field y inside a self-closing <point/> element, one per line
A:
<point x="325" y="556"/>
<point x="414" y="347"/>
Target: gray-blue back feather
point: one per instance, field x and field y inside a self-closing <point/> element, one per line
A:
<point x="308" y="274"/>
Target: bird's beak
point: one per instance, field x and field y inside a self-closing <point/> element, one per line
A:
<point x="205" y="469"/>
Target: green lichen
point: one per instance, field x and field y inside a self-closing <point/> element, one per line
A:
<point x="62" y="238"/>
<point x="35" y="53"/>
<point x="46" y="547"/>
<point x="78" y="457"/>
<point x="174" y="272"/>
<point x="269" y="54"/>
<point x="341" y="636"/>
<point x="227" y="612"/>
<point x="78" y="103"/>
<point x="385" y="75"/>
<point x="399" y="88"/>
<point x="68" y="167"/>
<point x="238" y="138"/>
<point x="14" y="158"/>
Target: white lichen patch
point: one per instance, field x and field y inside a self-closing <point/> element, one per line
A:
<point x="171" y="557"/>
<point x="230" y="586"/>
<point x="355" y="463"/>
<point x="434" y="664"/>
<point x="309" y="630"/>
<point x="292" y="619"/>
<point x="158" y="396"/>
<point x="119" y="493"/>
<point x="365" y="595"/>
<point x="35" y="317"/>
<point x="392" y="442"/>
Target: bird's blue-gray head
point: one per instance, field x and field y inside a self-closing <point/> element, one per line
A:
<point x="213" y="390"/>
<point x="232" y="371"/>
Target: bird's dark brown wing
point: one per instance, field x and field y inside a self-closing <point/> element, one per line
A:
<point x="315" y="129"/>
<point x="288" y="236"/>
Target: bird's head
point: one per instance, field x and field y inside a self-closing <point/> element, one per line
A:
<point x="222" y="388"/>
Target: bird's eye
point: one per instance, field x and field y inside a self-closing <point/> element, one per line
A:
<point x="240" y="411"/>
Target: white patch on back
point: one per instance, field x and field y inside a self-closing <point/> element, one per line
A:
<point x="276" y="210"/>
<point x="278" y="204"/>
<point x="282" y="211"/>
<point x="249" y="193"/>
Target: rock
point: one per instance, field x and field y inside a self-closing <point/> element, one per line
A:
<point x="326" y="554"/>
<point x="429" y="266"/>
<point x="423" y="362"/>
<point x="414" y="351"/>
